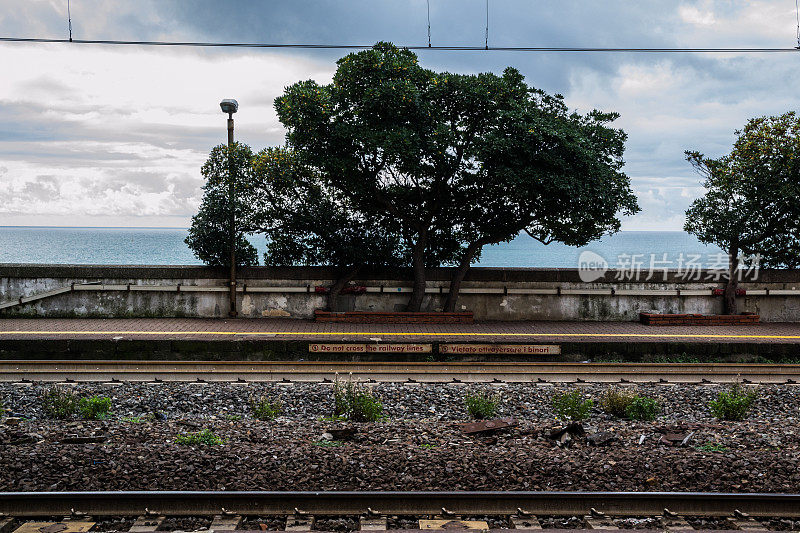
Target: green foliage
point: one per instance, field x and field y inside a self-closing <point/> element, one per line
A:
<point x="94" y="407"/>
<point x="750" y="207"/>
<point x="642" y="408"/>
<point x="135" y="419"/>
<point x="209" y="234"/>
<point x="59" y="403"/>
<point x="307" y="222"/>
<point x="712" y="447"/>
<point x="482" y="405"/>
<point x="615" y="401"/>
<point x="205" y="437"/>
<point x="233" y="418"/>
<point x="427" y="446"/>
<point x="751" y="199"/>
<point x="455" y="161"/>
<point x="356" y="402"/>
<point x="624" y="403"/>
<point x="734" y="403"/>
<point x="328" y="443"/>
<point x="265" y="408"/>
<point x="571" y="406"/>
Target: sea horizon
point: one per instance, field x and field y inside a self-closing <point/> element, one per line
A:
<point x="154" y="245"/>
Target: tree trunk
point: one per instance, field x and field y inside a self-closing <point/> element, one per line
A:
<point x="340" y="284"/>
<point x="458" y="277"/>
<point x="418" y="263"/>
<point x="729" y="305"/>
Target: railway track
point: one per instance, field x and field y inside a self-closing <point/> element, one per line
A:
<point x="515" y="510"/>
<point x="398" y="372"/>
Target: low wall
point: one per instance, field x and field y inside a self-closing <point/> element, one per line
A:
<point x="490" y="293"/>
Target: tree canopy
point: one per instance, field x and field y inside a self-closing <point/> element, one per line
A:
<point x="209" y="236"/>
<point x="752" y="200"/>
<point x="456" y="161"/>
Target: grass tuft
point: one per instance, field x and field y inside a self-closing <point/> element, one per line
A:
<point x="734" y="403"/>
<point x="205" y="437"/>
<point x="571" y="406"/>
<point x="355" y="402"/>
<point x="481" y="405"/>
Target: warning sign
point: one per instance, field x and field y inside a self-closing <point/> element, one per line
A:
<point x="369" y="348"/>
<point x="501" y="349"/>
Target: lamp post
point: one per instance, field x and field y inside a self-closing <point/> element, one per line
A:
<point x="230" y="107"/>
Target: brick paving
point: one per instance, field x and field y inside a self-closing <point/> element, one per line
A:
<point x="289" y="329"/>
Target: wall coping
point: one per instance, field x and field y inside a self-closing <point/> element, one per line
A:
<point x="477" y="274"/>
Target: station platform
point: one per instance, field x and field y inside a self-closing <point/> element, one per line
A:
<point x="271" y="339"/>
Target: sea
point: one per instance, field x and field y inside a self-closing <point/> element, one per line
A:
<point x="166" y="246"/>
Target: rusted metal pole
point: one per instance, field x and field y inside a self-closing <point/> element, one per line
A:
<point x="232" y="201"/>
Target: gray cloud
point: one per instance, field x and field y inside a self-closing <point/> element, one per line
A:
<point x="128" y="128"/>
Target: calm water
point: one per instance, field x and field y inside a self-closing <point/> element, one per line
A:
<point x="165" y="246"/>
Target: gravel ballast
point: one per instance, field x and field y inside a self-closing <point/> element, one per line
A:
<point x="419" y="446"/>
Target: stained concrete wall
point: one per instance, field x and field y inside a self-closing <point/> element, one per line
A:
<point x="25" y="280"/>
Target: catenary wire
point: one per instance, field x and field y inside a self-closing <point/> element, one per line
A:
<point x="409" y="47"/>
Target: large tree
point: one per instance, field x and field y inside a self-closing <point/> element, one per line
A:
<point x="209" y="234"/>
<point x="421" y="148"/>
<point x="752" y="200"/>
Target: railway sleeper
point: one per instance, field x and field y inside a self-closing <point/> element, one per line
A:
<point x="146" y="524"/>
<point x="300" y="522"/>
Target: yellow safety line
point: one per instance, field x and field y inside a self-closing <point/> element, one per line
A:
<point x="405" y="334"/>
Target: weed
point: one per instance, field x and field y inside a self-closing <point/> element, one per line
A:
<point x="328" y="443"/>
<point x="233" y="418"/>
<point x="135" y="419"/>
<point x="356" y="402"/>
<point x="712" y="447"/>
<point x="59" y="403"/>
<point x="265" y="408"/>
<point x="482" y="405"/>
<point x="205" y="437"/>
<point x="734" y="403"/>
<point x="571" y="405"/>
<point x="642" y="408"/>
<point x="427" y="446"/>
<point x="94" y="407"/>
<point x="615" y="401"/>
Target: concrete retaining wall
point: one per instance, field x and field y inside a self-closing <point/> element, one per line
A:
<point x="492" y="294"/>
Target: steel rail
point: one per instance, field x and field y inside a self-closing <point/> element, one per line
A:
<point x="30" y="504"/>
<point x="398" y="372"/>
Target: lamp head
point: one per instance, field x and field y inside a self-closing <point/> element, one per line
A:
<point x="229" y="105"/>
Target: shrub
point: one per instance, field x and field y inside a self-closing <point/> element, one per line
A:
<point x="571" y="405"/>
<point x="734" y="403"/>
<point x="642" y="408"/>
<point x="95" y="407"/>
<point x="481" y="405"/>
<point x="355" y="402"/>
<point x="265" y="408"/>
<point x="615" y="401"/>
<point x="59" y="403"/>
<point x="205" y="437"/>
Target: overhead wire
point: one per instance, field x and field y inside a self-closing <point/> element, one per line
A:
<point x="409" y="47"/>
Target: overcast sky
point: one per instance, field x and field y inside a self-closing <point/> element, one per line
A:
<point x="115" y="136"/>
